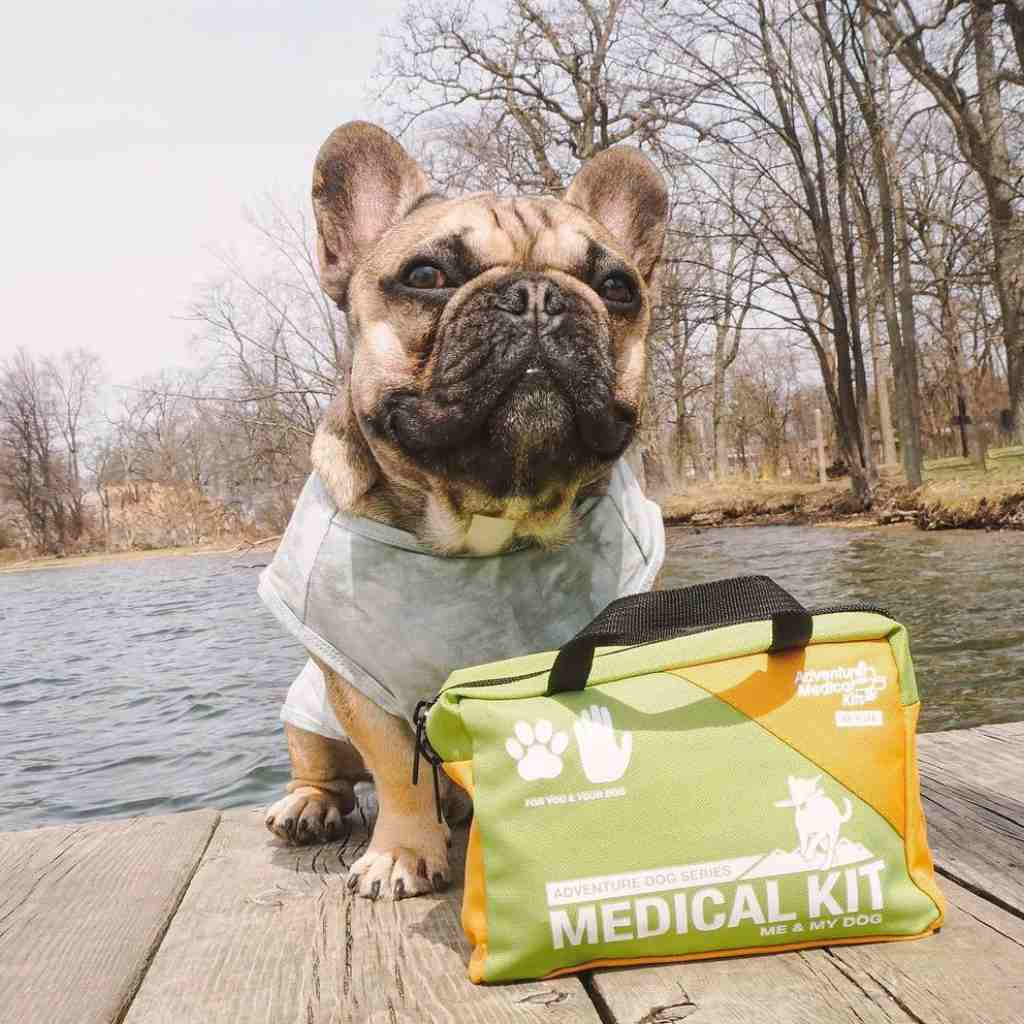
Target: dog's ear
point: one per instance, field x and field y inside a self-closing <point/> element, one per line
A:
<point x="363" y="184"/>
<point x="626" y="193"/>
<point x="340" y="453"/>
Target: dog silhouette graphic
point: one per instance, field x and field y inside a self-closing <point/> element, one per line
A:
<point x="818" y="819"/>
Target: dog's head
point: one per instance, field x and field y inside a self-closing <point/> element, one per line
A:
<point x="498" y="344"/>
<point x="801" y="791"/>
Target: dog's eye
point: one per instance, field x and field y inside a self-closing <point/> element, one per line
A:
<point x="617" y="290"/>
<point x="423" y="275"/>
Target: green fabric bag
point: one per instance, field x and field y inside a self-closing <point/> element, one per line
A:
<point x="700" y="772"/>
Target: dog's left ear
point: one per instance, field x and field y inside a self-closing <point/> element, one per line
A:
<point x="626" y="193"/>
<point x="363" y="184"/>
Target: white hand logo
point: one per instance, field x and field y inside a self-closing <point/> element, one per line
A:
<point x="604" y="760"/>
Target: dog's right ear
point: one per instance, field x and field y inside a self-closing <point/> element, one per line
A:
<point x="363" y="184"/>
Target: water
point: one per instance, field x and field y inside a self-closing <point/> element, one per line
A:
<point x="957" y="592"/>
<point x="146" y="686"/>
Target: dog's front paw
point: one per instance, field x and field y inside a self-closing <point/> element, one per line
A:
<point x="396" y="872"/>
<point x="309" y="815"/>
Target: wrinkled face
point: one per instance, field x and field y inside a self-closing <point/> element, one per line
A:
<point x="500" y="346"/>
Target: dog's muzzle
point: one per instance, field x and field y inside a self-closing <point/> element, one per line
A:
<point x="524" y="357"/>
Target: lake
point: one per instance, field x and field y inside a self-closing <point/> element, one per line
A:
<point x="154" y="685"/>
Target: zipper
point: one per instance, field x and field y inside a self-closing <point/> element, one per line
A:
<point x="853" y="606"/>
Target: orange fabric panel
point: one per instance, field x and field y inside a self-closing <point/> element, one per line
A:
<point x="461" y="773"/>
<point x="919" y="858"/>
<point x="474" y="904"/>
<point x="753" y="951"/>
<point x="836" y="682"/>
<point x="474" y="898"/>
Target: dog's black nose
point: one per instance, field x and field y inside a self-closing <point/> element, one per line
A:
<point x="531" y="296"/>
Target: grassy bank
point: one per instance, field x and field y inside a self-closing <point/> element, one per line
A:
<point x="989" y="503"/>
<point x="742" y="502"/>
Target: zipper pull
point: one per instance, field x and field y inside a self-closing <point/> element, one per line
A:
<point x="418" y="720"/>
<point x="426" y="751"/>
<point x="437" y="795"/>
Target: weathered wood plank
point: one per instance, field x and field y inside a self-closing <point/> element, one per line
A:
<point x="972" y="972"/>
<point x="269" y="934"/>
<point x="83" y="908"/>
<point x="990" y="756"/>
<point x="783" y="988"/>
<point x="977" y="839"/>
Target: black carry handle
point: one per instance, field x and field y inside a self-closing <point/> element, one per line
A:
<point x="665" y="614"/>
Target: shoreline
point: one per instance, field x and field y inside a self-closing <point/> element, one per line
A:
<point x="107" y="557"/>
<point x="991" y="505"/>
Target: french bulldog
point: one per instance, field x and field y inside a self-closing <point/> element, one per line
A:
<point x="498" y="368"/>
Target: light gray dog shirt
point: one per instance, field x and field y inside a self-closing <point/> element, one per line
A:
<point x="395" y="619"/>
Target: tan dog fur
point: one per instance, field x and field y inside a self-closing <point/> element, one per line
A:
<point x="374" y="212"/>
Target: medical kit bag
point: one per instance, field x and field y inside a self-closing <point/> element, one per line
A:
<point x="701" y="772"/>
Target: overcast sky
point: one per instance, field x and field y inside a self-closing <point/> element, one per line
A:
<point x="133" y="139"/>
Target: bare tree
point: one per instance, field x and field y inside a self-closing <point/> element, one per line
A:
<point x="530" y="90"/>
<point x="942" y="196"/>
<point x="973" y="97"/>
<point x="43" y="406"/>
<point x="762" y="398"/>
<point x="276" y="345"/>
<point x="885" y="237"/>
<point x="681" y="325"/>
<point x="729" y="259"/>
<point x="75" y="378"/>
<point x="773" y="99"/>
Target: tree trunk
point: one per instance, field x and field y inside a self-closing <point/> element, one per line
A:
<point x="1007" y="226"/>
<point x="902" y="348"/>
<point x="910" y="398"/>
<point x="719" y="440"/>
<point x="885" y="427"/>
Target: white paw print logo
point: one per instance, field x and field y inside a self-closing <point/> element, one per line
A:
<point x="537" y="750"/>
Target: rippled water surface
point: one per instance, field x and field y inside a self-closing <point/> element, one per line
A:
<point x="154" y="685"/>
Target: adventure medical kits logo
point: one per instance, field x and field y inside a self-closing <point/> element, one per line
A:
<point x="842" y="887"/>
<point x="856" y="685"/>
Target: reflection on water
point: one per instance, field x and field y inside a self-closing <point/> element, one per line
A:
<point x="137" y="687"/>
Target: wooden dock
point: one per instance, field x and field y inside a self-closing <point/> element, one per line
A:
<point x="204" y="918"/>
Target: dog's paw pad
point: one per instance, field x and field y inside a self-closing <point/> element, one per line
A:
<point x="537" y="750"/>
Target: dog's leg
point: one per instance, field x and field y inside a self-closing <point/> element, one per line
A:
<point x="831" y="842"/>
<point x="806" y="843"/>
<point x="320" y="793"/>
<point x="408" y="853"/>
